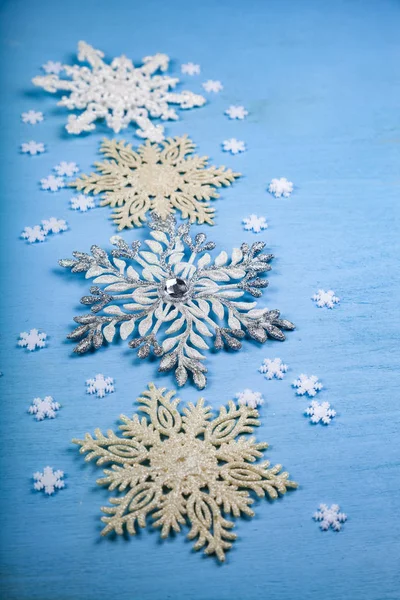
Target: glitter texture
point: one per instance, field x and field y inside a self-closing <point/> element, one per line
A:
<point x="184" y="468"/>
<point x="173" y="297"/>
<point x="118" y="92"/>
<point x="157" y="178"/>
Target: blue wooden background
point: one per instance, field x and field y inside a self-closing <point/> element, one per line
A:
<point x="322" y="84"/>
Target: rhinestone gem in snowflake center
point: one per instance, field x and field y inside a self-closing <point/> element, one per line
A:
<point x="176" y="288"/>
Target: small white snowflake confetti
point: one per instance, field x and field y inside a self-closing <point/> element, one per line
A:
<point x="330" y="517"/>
<point x="67" y="169"/>
<point x="255" y="224"/>
<point x="52" y="184"/>
<point x="32" y="148"/>
<point x="233" y="146"/>
<point x="307" y="385"/>
<point x="100" y="385"/>
<point x="32" y="340"/>
<point x="54" y="225"/>
<point x="320" y="412"/>
<point x="327" y="299"/>
<point x="280" y="187"/>
<point x="273" y="368"/>
<point x="119" y="92"/>
<point x="190" y="69"/>
<point x="43" y="409"/>
<point x="34" y="234"/>
<point x="213" y="86"/>
<point x="32" y="117"/>
<point x="49" y="480"/>
<point x="82" y="202"/>
<point x="249" y="398"/>
<point x="236" y="112"/>
<point x="52" y="67"/>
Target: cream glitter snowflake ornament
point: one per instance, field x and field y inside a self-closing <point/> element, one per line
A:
<point x="184" y="468"/>
<point x="171" y="298"/>
<point x="156" y="178"/>
<point x="119" y="92"/>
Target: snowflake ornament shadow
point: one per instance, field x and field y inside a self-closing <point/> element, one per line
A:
<point x="118" y="92"/>
<point x="184" y="468"/>
<point x="156" y="178"/>
<point x="169" y="299"/>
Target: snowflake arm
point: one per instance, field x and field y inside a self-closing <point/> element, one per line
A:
<point x="170" y="299"/>
<point x="183" y="468"/>
<point x="159" y="179"/>
<point x="118" y="92"/>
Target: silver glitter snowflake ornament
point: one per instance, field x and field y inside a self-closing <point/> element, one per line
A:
<point x="118" y="92"/>
<point x="170" y="299"/>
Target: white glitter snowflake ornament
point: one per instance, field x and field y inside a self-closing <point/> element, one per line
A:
<point x="280" y="187"/>
<point x="330" y="517"/>
<point x="32" y="148"/>
<point x="44" y="409"/>
<point x="32" y="340"/>
<point x="155" y="179"/>
<point x="82" y="202"/>
<point x="49" y="481"/>
<point x="187" y="467"/>
<point x="273" y="368"/>
<point x="118" y="92"/>
<point x="173" y="297"/>
<point x="255" y="223"/>
<point x="233" y="146"/>
<point x="320" y="412"/>
<point x="32" y="117"/>
<point x="249" y="398"/>
<point x="100" y="385"/>
<point x="307" y="385"/>
<point x="327" y="299"/>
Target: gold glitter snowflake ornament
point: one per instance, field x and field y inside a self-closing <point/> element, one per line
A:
<point x="184" y="469"/>
<point x="158" y="178"/>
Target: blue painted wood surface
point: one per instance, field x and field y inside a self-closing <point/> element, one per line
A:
<point x="321" y="83"/>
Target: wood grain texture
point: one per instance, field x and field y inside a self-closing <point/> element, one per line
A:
<point x="321" y="84"/>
